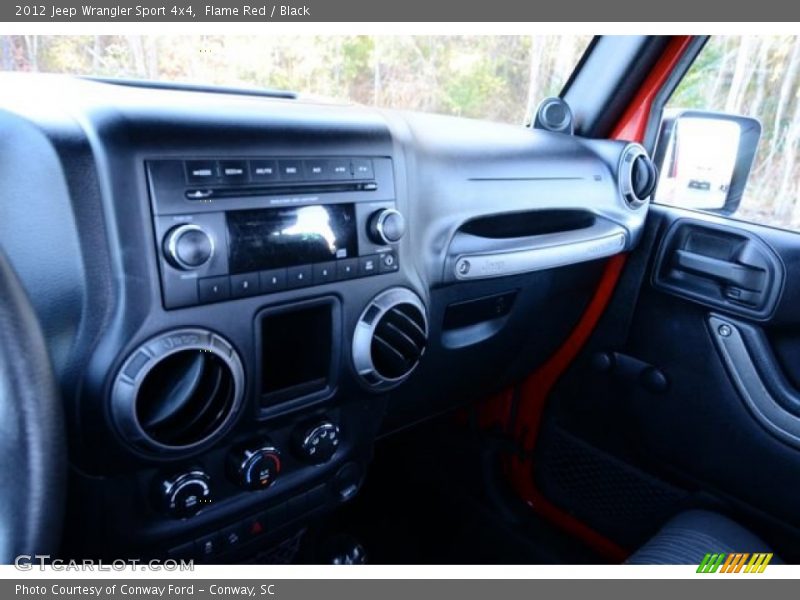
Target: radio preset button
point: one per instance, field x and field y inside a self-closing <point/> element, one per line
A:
<point x="316" y="170"/>
<point x="234" y="171"/>
<point x="339" y="168"/>
<point x="368" y="265"/>
<point x="299" y="276"/>
<point x="245" y="285"/>
<point x="362" y="168"/>
<point x="273" y="280"/>
<point x="264" y="170"/>
<point x="324" y="272"/>
<point x="347" y="269"/>
<point x="214" y="289"/>
<point x="291" y="170"/>
<point x="201" y="171"/>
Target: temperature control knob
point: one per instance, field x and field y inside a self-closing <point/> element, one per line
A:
<point x="317" y="443"/>
<point x="188" y="247"/>
<point x="386" y="226"/>
<point x="255" y="468"/>
<point x="185" y="494"/>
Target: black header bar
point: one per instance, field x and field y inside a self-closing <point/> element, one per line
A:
<point x="144" y="11"/>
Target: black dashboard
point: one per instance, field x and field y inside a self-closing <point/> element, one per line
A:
<point x="242" y="294"/>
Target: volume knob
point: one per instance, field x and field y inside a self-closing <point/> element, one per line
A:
<point x="188" y="247"/>
<point x="386" y="226"/>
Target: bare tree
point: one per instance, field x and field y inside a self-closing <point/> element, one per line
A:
<point x="788" y="88"/>
<point x="95" y="52"/>
<point x="785" y="199"/>
<point x="713" y="91"/>
<point x="137" y="53"/>
<point x="32" y="51"/>
<point x="534" y="93"/>
<point x="762" y="69"/>
<point x="376" y="75"/>
<point x="740" y="76"/>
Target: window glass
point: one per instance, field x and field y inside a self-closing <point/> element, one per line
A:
<point x="755" y="76"/>
<point x="491" y="77"/>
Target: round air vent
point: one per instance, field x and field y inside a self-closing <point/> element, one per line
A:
<point x="177" y="392"/>
<point x="637" y="176"/>
<point x="390" y="338"/>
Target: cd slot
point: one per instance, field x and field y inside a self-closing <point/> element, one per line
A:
<point x="206" y="194"/>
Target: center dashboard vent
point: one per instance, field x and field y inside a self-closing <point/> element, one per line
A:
<point x="177" y="392"/>
<point x="185" y="397"/>
<point x="390" y="338"/>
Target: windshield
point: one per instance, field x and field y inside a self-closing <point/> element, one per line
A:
<point x="500" y="78"/>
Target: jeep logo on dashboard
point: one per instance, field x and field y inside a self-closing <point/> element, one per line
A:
<point x="176" y="341"/>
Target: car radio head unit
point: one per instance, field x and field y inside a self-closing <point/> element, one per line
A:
<point x="226" y="229"/>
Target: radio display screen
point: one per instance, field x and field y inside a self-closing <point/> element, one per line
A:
<point x="285" y="237"/>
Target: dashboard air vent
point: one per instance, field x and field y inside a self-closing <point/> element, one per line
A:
<point x="398" y="341"/>
<point x="178" y="391"/>
<point x="637" y="177"/>
<point x="185" y="398"/>
<point x="390" y="338"/>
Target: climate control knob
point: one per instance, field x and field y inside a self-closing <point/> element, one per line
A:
<point x="255" y="468"/>
<point x="317" y="443"/>
<point x="188" y="247"/>
<point x="386" y="226"/>
<point x="185" y="494"/>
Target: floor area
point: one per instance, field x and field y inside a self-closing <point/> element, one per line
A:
<point x="435" y="495"/>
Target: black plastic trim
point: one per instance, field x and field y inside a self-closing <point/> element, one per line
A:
<point x="771" y="401"/>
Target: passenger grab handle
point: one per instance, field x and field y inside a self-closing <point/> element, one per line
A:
<point x="540" y="252"/>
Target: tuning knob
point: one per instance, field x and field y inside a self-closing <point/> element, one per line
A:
<point x="184" y="494"/>
<point x="255" y="468"/>
<point x="188" y="247"/>
<point x="386" y="226"/>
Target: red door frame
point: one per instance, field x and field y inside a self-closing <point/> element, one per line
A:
<point x="535" y="390"/>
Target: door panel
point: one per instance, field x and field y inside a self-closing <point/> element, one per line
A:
<point x="725" y="430"/>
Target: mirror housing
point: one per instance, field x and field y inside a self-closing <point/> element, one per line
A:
<point x="704" y="159"/>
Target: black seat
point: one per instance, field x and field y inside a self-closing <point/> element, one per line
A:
<point x="688" y="537"/>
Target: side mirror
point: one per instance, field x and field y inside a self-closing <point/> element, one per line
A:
<point x="704" y="159"/>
